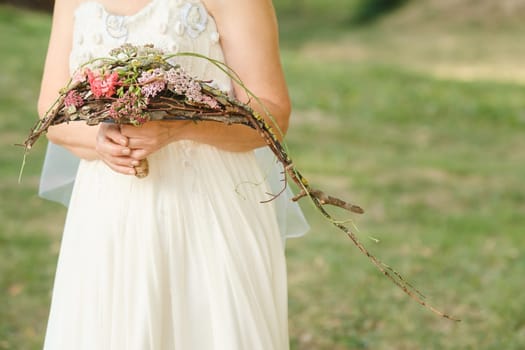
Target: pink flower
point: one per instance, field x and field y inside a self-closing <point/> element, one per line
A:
<point x="129" y="108"/>
<point x="79" y="76"/>
<point x="102" y="85"/>
<point x="73" y="98"/>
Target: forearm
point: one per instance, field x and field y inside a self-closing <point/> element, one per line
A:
<point x="257" y="64"/>
<point x="237" y="138"/>
<point x="77" y="137"/>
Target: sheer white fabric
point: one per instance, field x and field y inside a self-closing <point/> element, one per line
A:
<point x="58" y="174"/>
<point x="60" y="169"/>
<point x="179" y="26"/>
<point x="187" y="258"/>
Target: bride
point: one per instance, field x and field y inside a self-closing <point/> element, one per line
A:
<point x="188" y="257"/>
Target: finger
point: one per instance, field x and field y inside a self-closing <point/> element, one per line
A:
<point x="142" y="143"/>
<point x="106" y="147"/>
<point x="122" y="169"/>
<point x="122" y="161"/>
<point x="139" y="154"/>
<point x="113" y="150"/>
<point x="131" y="130"/>
<point x="112" y="132"/>
<point x="124" y="165"/>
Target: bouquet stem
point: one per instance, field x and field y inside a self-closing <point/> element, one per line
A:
<point x="142" y="170"/>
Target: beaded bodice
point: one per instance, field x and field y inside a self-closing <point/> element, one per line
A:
<point x="171" y="25"/>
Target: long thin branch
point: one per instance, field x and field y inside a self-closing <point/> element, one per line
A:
<point x="232" y="111"/>
<point x="319" y="198"/>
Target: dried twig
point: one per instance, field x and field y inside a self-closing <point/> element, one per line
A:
<point x="168" y="106"/>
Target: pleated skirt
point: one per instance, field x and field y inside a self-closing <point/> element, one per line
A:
<point x="187" y="258"/>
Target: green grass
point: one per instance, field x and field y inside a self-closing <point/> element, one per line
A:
<point x="30" y="227"/>
<point x="437" y="163"/>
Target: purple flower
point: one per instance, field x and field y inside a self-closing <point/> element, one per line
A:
<point x="152" y="82"/>
<point x="182" y="83"/>
<point x="178" y="80"/>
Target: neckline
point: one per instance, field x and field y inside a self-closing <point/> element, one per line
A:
<point x="104" y="9"/>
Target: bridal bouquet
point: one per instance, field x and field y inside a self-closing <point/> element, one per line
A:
<point x="137" y="84"/>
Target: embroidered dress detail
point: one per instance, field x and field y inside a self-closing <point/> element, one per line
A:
<point x="194" y="18"/>
<point x="116" y="28"/>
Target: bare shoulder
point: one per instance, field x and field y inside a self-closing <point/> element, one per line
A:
<point x="250" y="42"/>
<point x="65" y="8"/>
<point x="231" y="8"/>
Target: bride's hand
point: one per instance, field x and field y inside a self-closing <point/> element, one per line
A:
<point x="146" y="139"/>
<point x="112" y="147"/>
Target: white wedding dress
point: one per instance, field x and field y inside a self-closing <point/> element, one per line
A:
<point x="187" y="258"/>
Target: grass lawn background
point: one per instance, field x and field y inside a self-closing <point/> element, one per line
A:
<point x="420" y="123"/>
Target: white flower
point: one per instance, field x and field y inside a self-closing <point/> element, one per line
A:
<point x="194" y="18"/>
<point x="122" y="56"/>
